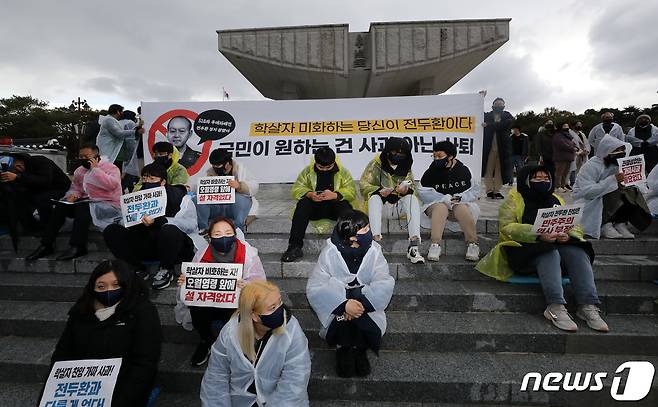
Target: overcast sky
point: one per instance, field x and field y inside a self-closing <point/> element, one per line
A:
<point x="572" y="54"/>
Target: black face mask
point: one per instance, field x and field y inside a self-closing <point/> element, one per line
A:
<point x="540" y="187"/>
<point x="365" y="239"/>
<point x="396" y="159"/>
<point x="643" y="124"/>
<point x="164" y="161"/>
<point x="221" y="171"/>
<point x="275" y="319"/>
<point x="578" y="128"/>
<point x="441" y="163"/>
<point x="549" y="127"/>
<point x="83" y="162"/>
<point x="149" y="185"/>
<point x="223" y="244"/>
<point x="607" y="121"/>
<point x="109" y="297"/>
<point x="612" y="158"/>
<point x="498" y="108"/>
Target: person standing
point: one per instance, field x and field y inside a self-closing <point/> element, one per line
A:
<point x="564" y="153"/>
<point x="644" y="139"/>
<point x="112" y="135"/>
<point x="607" y="126"/>
<point x="519" y="148"/>
<point x="496" y="160"/>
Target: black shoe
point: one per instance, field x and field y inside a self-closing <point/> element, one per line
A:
<point x="293" y="253"/>
<point x="143" y="274"/>
<point x="41" y="251"/>
<point x="490" y="195"/>
<point x="498" y="195"/>
<point x="201" y="354"/>
<point x="361" y="363"/>
<point x="72" y="253"/>
<point x="345" y="362"/>
<point x="162" y="279"/>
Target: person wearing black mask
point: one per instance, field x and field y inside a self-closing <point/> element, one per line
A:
<point x="543" y="145"/>
<point x="564" y="153"/>
<point x="261" y="357"/>
<point x="223" y="164"/>
<point x="115" y="319"/>
<point x="519" y="148"/>
<point x="520" y="251"/>
<point x="349" y="289"/>
<point x="644" y="139"/>
<point x="606" y="127"/>
<point x="96" y="184"/>
<point x="224" y="247"/>
<point x="166" y="239"/>
<point x="496" y="153"/>
<point x="165" y="156"/>
<point x="609" y="204"/>
<point x="323" y="191"/>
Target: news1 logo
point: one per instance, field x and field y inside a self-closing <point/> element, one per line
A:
<point x="638" y="375"/>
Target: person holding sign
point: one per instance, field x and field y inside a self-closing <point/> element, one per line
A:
<point x="224" y="247"/>
<point x="609" y="204"/>
<point x="165" y="156"/>
<point x="115" y="319"/>
<point x="223" y="165"/>
<point x="387" y="183"/>
<point x="167" y="239"/>
<point x="261" y="356"/>
<point x="323" y="190"/>
<point x="522" y="251"/>
<point x="95" y="190"/>
<point x="449" y="192"/>
<point x="349" y="289"/>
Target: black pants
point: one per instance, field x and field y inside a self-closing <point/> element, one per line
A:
<point x="202" y="321"/>
<point x="81" y="221"/>
<point x="308" y="210"/>
<point x="360" y="333"/>
<point x="167" y="244"/>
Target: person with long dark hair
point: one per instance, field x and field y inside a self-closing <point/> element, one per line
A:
<point x="349" y="289"/>
<point x="115" y="319"/>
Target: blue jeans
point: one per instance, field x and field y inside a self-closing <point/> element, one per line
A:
<point x="577" y="265"/>
<point x="237" y="211"/>
<point x="517" y="161"/>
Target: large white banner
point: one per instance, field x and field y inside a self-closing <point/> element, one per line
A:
<point x="276" y="139"/>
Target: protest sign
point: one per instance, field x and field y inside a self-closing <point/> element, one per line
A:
<point x="633" y="169"/>
<point x="211" y="284"/>
<point x="560" y="219"/>
<point x="74" y="383"/>
<point x="275" y="139"/>
<point x="215" y="190"/>
<point x="150" y="202"/>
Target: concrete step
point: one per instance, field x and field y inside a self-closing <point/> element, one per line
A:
<point x="606" y="267"/>
<point x="408" y="295"/>
<point x="406" y="331"/>
<point x="405" y="377"/>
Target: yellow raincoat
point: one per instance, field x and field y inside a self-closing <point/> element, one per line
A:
<point x="176" y="173"/>
<point x="374" y="178"/>
<point x="512" y="232"/>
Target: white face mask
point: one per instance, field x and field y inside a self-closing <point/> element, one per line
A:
<point x="104" y="313"/>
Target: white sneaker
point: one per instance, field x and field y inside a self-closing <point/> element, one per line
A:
<point x="473" y="252"/>
<point x="434" y="252"/>
<point x="592" y="315"/>
<point x="413" y="254"/>
<point x="558" y="315"/>
<point x="609" y="232"/>
<point x="623" y="231"/>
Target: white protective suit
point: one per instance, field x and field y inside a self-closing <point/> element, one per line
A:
<point x="131" y="165"/>
<point x="596" y="135"/>
<point x="326" y="286"/>
<point x="252" y="270"/>
<point x="281" y="375"/>
<point x="651" y="191"/>
<point x="594" y="181"/>
<point x="636" y="142"/>
<point x="429" y="196"/>
<point x="111" y="137"/>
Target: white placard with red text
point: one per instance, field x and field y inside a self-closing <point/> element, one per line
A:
<point x="211" y="284"/>
<point x="633" y="169"/>
<point x="214" y="190"/>
<point x="560" y="219"/>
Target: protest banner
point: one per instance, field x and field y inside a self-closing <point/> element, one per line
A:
<point x="275" y="139"/>
<point x="74" y="383"/>
<point x="150" y="202"/>
<point x="215" y="190"/>
<point x="560" y="219"/>
<point x="633" y="169"/>
<point x="211" y="284"/>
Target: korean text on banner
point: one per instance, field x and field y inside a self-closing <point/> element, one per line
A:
<point x="149" y="202"/>
<point x="81" y="382"/>
<point x="211" y="284"/>
<point x="276" y="139"/>
<point x="633" y="169"/>
<point x="215" y="190"/>
<point x="560" y="219"/>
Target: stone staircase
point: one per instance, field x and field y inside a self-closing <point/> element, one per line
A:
<point x="454" y="336"/>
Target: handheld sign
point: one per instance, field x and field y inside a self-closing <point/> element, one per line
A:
<point x="149" y="202"/>
<point x="211" y="284"/>
<point x="560" y="219"/>
<point x="214" y="190"/>
<point x="81" y="383"/>
<point x="633" y="169"/>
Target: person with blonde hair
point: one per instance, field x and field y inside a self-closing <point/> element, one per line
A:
<point x="261" y="356"/>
